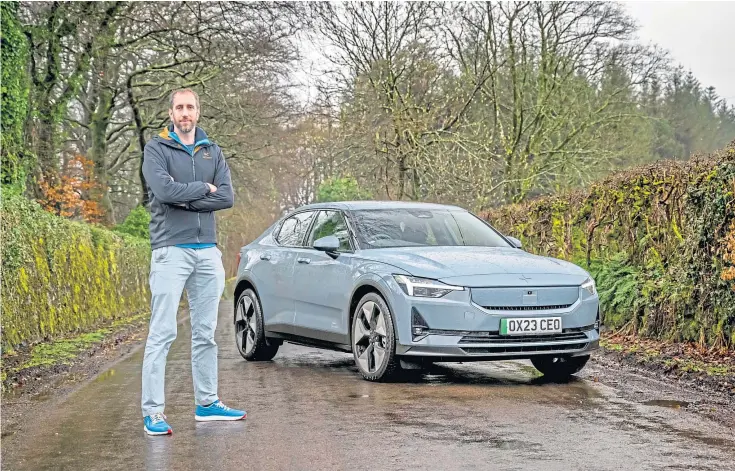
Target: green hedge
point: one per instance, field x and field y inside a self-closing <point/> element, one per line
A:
<point x="61" y="277"/>
<point x="659" y="241"/>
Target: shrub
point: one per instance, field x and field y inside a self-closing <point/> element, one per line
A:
<point x="136" y="224"/>
<point x="341" y="189"/>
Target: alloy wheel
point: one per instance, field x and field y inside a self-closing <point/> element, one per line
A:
<point x="245" y="325"/>
<point x="369" y="338"/>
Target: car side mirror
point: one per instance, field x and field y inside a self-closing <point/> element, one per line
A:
<point x="327" y="244"/>
<point x="517" y="243"/>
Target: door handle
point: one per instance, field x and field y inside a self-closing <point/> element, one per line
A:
<point x="303" y="260"/>
<point x="265" y="256"/>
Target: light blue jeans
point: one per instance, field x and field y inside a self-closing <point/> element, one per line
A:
<point x="200" y="271"/>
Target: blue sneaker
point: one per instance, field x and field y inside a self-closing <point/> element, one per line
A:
<point x="156" y="425"/>
<point x="218" y="411"/>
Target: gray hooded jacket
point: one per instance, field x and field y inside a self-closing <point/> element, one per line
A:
<point x="181" y="204"/>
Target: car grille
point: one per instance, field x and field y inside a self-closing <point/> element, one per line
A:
<point x="515" y="339"/>
<point x="478" y="336"/>
<point x="496" y="349"/>
<point x="572" y="338"/>
<point x="527" y="308"/>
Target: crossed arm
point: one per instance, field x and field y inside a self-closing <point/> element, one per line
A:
<point x="194" y="196"/>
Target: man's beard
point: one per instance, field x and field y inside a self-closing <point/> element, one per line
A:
<point x="186" y="127"/>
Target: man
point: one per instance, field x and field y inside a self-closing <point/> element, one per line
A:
<point x="188" y="179"/>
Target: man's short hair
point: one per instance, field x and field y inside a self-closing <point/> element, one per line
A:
<point x="182" y="90"/>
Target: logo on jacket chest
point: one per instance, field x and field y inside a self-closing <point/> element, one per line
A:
<point x="206" y="155"/>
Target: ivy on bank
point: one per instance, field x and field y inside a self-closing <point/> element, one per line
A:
<point x="659" y="240"/>
<point x="61" y="277"/>
<point x="16" y="160"/>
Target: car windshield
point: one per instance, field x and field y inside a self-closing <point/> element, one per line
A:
<point x="381" y="228"/>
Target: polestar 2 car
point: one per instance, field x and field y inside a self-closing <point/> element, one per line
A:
<point x="403" y="285"/>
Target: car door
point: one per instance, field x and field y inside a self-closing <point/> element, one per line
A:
<point x="323" y="284"/>
<point x="273" y="272"/>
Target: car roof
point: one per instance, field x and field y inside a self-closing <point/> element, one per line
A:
<point x="368" y="205"/>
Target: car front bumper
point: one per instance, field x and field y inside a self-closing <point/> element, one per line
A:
<point x="451" y="348"/>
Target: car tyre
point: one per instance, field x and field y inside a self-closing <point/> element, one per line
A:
<point x="559" y="368"/>
<point x="374" y="339"/>
<point x="249" y="329"/>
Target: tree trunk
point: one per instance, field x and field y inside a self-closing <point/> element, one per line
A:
<point x="141" y="140"/>
<point x="98" y="152"/>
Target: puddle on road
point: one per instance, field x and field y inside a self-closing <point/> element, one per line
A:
<point x="672" y="404"/>
<point x="458" y="382"/>
<point x="630" y="415"/>
<point x="433" y="428"/>
<point x="722" y="442"/>
<point x="465" y="385"/>
<point x="105" y="376"/>
<point x="493" y="440"/>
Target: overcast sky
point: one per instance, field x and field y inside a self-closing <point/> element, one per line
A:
<point x="698" y="35"/>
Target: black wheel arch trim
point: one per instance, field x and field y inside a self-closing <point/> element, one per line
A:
<point x="379" y="289"/>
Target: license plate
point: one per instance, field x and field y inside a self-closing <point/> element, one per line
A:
<point x="530" y="326"/>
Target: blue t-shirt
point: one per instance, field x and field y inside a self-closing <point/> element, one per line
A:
<point x="195" y="246"/>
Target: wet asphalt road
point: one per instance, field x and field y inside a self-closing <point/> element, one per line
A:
<point x="310" y="410"/>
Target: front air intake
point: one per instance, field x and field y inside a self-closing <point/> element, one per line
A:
<point x="419" y="326"/>
<point x="527" y="308"/>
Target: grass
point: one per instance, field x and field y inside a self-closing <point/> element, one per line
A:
<point x="678" y="363"/>
<point x="694" y="366"/>
<point x="63" y="351"/>
<point x="611" y="346"/>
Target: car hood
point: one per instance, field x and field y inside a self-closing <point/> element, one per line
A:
<point x="480" y="266"/>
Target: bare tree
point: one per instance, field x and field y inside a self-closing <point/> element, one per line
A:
<point x="400" y="83"/>
<point x="568" y="71"/>
<point x="484" y="102"/>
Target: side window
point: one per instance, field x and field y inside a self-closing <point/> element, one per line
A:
<point x="330" y="223"/>
<point x="293" y="229"/>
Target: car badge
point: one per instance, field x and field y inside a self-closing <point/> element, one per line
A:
<point x="530" y="298"/>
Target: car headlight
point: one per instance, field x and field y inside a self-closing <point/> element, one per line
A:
<point x="424" y="287"/>
<point x="589" y="286"/>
